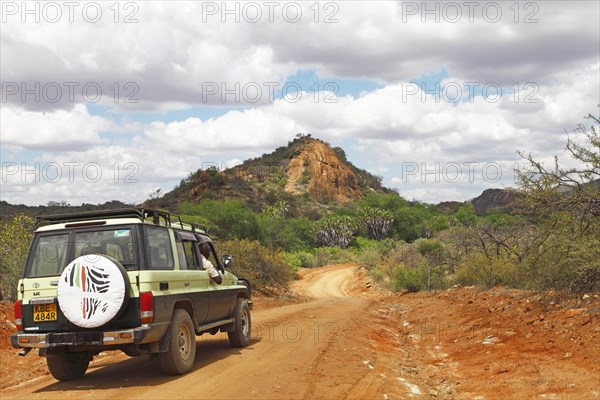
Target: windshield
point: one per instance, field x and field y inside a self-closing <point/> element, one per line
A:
<point x="51" y="252"/>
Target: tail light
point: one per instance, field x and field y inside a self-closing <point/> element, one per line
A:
<point x="19" y="315"/>
<point x="146" y="308"/>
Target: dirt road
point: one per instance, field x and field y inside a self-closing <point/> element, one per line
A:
<point x="346" y="339"/>
<point x="295" y="353"/>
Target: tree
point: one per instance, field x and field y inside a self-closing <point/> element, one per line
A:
<point x="278" y="232"/>
<point x="62" y="203"/>
<point x="465" y="214"/>
<point x="434" y="252"/>
<point x="340" y="153"/>
<point x="154" y="196"/>
<point x="227" y="219"/>
<point x="553" y="243"/>
<point x="335" y="231"/>
<point x="376" y="222"/>
<point x="564" y="204"/>
<point x="576" y="190"/>
<point x="15" y="236"/>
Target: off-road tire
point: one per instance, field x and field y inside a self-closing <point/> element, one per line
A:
<point x="67" y="367"/>
<point x="179" y="359"/>
<point x="240" y="337"/>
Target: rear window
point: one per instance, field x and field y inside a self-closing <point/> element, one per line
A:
<point x="50" y="254"/>
<point x="117" y="244"/>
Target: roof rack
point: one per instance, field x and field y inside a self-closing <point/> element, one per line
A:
<point x="140" y="213"/>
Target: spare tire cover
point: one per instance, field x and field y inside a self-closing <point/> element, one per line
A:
<point x="92" y="290"/>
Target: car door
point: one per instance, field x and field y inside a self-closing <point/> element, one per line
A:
<point x="196" y="280"/>
<point x="220" y="295"/>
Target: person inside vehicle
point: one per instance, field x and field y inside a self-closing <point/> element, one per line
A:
<point x="208" y="266"/>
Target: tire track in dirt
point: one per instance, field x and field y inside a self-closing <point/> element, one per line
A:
<point x="308" y="350"/>
<point x="350" y="339"/>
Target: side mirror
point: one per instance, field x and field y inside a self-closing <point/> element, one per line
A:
<point x="227" y="260"/>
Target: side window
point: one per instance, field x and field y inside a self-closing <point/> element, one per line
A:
<point x="181" y="255"/>
<point x="158" y="245"/>
<point x="190" y="254"/>
<point x="187" y="254"/>
<point x="207" y="252"/>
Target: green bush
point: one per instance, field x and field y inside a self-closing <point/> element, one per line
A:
<point x="15" y="236"/>
<point x="307" y="260"/>
<point x="409" y="279"/>
<point x="414" y="279"/>
<point x="279" y="232"/>
<point x="227" y="219"/>
<point x="264" y="267"/>
<point x="410" y="267"/>
<point x="369" y="258"/>
<point x="333" y="255"/>
<point x="292" y="261"/>
<point x="377" y="274"/>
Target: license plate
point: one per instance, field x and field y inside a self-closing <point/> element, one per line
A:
<point x="44" y="312"/>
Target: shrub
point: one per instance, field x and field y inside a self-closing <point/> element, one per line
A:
<point x="409" y="279"/>
<point x="408" y="266"/>
<point x="476" y="269"/>
<point x="15" y="236"/>
<point x="333" y="255"/>
<point x="264" y="267"/>
<point x="307" y="260"/>
<point x="301" y="259"/>
<point x="588" y="280"/>
<point x="369" y="258"/>
<point x="227" y="219"/>
<point x="377" y="274"/>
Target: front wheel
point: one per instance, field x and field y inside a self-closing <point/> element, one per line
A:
<point x="240" y="337"/>
<point x="65" y="367"/>
<point x="179" y="359"/>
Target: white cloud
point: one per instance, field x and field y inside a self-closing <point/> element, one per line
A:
<point x="166" y="60"/>
<point x="58" y="130"/>
<point x="433" y="136"/>
<point x="171" y="53"/>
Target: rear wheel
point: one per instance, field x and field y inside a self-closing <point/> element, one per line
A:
<point x="67" y="367"/>
<point x="240" y="337"/>
<point x="179" y="359"/>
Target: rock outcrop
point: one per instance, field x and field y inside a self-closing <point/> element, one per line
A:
<point x="495" y="200"/>
<point x="316" y="168"/>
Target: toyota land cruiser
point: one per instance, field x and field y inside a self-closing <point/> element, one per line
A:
<point x="129" y="280"/>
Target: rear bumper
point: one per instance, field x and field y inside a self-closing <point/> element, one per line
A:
<point x="142" y="334"/>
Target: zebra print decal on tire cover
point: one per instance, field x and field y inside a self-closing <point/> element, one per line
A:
<point x="91" y="291"/>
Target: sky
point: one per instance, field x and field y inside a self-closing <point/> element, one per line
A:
<point x="109" y="100"/>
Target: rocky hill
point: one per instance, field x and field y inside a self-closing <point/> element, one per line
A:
<point x="495" y="200"/>
<point x="307" y="173"/>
